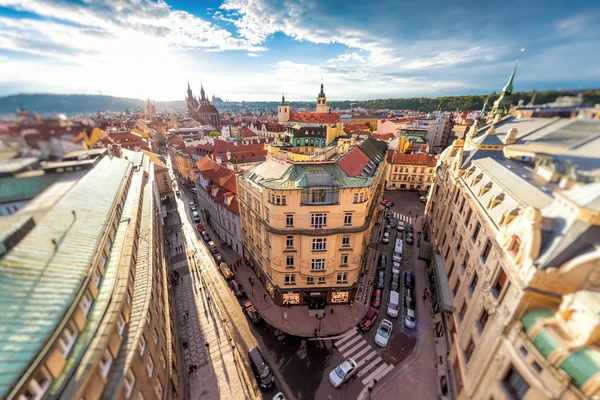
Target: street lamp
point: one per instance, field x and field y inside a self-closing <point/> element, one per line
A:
<point x="320" y="318"/>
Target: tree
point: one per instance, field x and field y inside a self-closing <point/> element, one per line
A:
<point x="214" y="134"/>
<point x="368" y="124"/>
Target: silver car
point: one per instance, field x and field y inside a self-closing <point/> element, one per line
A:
<point x="342" y="373"/>
<point x="384" y="332"/>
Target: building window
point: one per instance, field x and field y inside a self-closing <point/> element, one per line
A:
<point x="356" y="197"/>
<point x="267" y="214"/>
<point x="105" y="363"/>
<point x="318" y="220"/>
<point x="290" y="279"/>
<point x="342" y="277"/>
<point x="346" y="241"/>
<point x="321" y="280"/>
<point x="86" y="303"/>
<point x="289" y="242"/>
<point x="462" y="312"/>
<point x="150" y="367"/>
<point x="486" y="250"/>
<point x="501" y="282"/>
<point x="469" y="351"/>
<point x="483" y="320"/>
<point x="129" y="383"/>
<point x="289" y="220"/>
<point x="514" y="385"/>
<point x="536" y="367"/>
<point x="344" y="259"/>
<point x="473" y="284"/>
<point x="155" y="336"/>
<point x="318" y="264"/>
<point x="310" y="280"/>
<point x="163" y="362"/>
<point x="158" y="390"/>
<point x="142" y="345"/>
<point x="319" y="244"/>
<point x="120" y="324"/>
<point x="468" y="217"/>
<point x="96" y="277"/>
<point x="38" y="385"/>
<point x="465" y="262"/>
<point x="67" y="339"/>
<point x="348" y="219"/>
<point x="476" y="232"/>
<point x="514" y="247"/>
<point x="148" y="318"/>
<point x="289" y="262"/>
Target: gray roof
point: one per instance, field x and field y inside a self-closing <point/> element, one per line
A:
<point x="516" y="180"/>
<point x="14" y="165"/>
<point x="38" y="281"/>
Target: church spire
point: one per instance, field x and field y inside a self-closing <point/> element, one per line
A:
<point x="322" y="92"/>
<point x="202" y="95"/>
<point x="283" y="103"/>
<point x="508" y="88"/>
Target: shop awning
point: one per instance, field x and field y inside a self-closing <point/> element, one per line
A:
<point x="441" y="282"/>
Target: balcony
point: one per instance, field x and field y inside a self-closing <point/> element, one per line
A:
<point x="320" y="196"/>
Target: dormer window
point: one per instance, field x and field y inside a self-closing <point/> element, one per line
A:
<point x="496" y="200"/>
<point x="485" y="188"/>
<point x="477" y="179"/>
<point x="470" y="171"/>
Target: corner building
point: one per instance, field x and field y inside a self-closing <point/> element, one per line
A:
<point x="306" y="225"/>
<point x="85" y="303"/>
<point x="516" y="258"/>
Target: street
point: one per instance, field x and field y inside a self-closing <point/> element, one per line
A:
<point x="300" y="366"/>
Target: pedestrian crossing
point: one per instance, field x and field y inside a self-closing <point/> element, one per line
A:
<point x="370" y="365"/>
<point x="403" y="218"/>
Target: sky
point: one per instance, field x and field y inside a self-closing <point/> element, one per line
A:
<point x="259" y="49"/>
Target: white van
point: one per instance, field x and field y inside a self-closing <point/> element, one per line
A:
<point x="393" y="304"/>
<point x="196" y="216"/>
<point x="397" y="256"/>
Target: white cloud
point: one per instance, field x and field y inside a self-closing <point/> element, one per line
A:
<point x="253" y="55"/>
<point x="348" y="57"/>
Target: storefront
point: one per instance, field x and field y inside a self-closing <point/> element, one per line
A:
<point x="340" y="296"/>
<point x="290" y="298"/>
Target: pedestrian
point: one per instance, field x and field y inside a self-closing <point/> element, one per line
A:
<point x="424" y="296"/>
<point x="265" y="296"/>
<point x="316" y="330"/>
<point x="285" y="316"/>
<point x="351" y="303"/>
<point x="190" y="369"/>
<point x="331" y="310"/>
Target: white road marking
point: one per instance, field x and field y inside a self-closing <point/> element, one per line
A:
<point x="368" y="367"/>
<point x="367" y="358"/>
<point x="347" y="344"/>
<point x="353" y="349"/>
<point x="374" y="373"/>
<point x="360" y="353"/>
<point x="346" y="336"/>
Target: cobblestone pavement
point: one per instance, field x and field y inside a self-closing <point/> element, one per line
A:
<point x="219" y="371"/>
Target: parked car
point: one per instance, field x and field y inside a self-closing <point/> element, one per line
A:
<point x="238" y="290"/>
<point x="423" y="199"/>
<point x="380" y="281"/>
<point x="386" y="237"/>
<point x="369" y="320"/>
<point x="389" y="214"/>
<point x="261" y="369"/>
<point x="178" y="193"/>
<point x="218" y="257"/>
<point x="409" y="318"/>
<point x="225" y="271"/>
<point x="395" y="267"/>
<point x="383" y="261"/>
<point x="343" y="372"/>
<point x="384" y="202"/>
<point x="409" y="300"/>
<point x="205" y="236"/>
<point x="390" y="204"/>
<point x="400" y="226"/>
<point x="408" y="228"/>
<point x="193" y="190"/>
<point x="395" y="282"/>
<point x="251" y="312"/>
<point x="193" y="206"/>
<point x="376" y="299"/>
<point x="393" y="223"/>
<point x="279" y="396"/>
<point x="195" y="216"/>
<point x="409" y="280"/>
<point x="409" y="238"/>
<point x="212" y="247"/>
<point x="382" y="337"/>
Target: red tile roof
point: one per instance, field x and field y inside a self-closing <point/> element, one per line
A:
<point x="247" y="132"/>
<point x="353" y="162"/>
<point x="322" y="118"/>
<point x="429" y="160"/>
<point x="383" y="136"/>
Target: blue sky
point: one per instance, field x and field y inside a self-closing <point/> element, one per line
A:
<point x="258" y="49"/>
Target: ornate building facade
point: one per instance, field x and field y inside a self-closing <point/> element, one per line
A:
<point x="89" y="272"/>
<point x="516" y="260"/>
<point x="306" y="225"/>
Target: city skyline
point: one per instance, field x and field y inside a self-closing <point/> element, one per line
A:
<point x="258" y="50"/>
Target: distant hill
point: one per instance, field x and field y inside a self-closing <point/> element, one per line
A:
<point x="90" y="104"/>
<point x="79" y="103"/>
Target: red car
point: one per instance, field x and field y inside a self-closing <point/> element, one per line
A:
<point x="369" y="320"/>
<point x="376" y="299"/>
<point x="384" y="202"/>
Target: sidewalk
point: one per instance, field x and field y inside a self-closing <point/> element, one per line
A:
<point x="416" y="377"/>
<point x="298" y="321"/>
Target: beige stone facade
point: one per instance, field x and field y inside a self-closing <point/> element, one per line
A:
<point x="515" y="252"/>
<point x="306" y="226"/>
<point x="101" y="327"/>
<point x="410" y="171"/>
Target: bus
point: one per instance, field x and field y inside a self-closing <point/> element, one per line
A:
<point x="398" y="251"/>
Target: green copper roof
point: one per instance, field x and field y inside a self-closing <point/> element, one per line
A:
<point x="533" y="316"/>
<point x="13" y="188"/>
<point x="545" y="343"/>
<point x="582" y="365"/>
<point x="38" y="280"/>
<point x="508" y="88"/>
